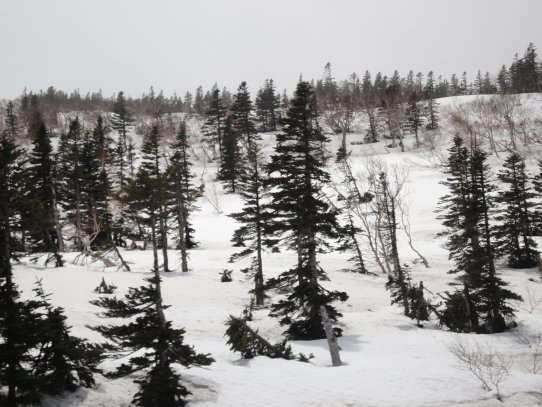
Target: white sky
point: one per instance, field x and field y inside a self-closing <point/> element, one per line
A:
<point x="178" y="45"/>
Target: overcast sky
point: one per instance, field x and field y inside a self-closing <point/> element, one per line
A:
<point x="177" y="45"/>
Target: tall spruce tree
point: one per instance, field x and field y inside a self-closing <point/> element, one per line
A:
<point x="267" y="105"/>
<point x="414" y="116"/>
<point x="253" y="219"/>
<point x="10" y="121"/>
<point x="121" y="121"/>
<point x="183" y="193"/>
<point x="516" y="228"/>
<point x="146" y="197"/>
<point x="242" y="111"/>
<point x="45" y="233"/>
<point x="303" y="219"/>
<point x="157" y="343"/>
<point x="231" y="166"/>
<point x="482" y="305"/>
<point x="431" y="103"/>
<point x="17" y="326"/>
<point x="213" y="128"/>
<point x="71" y="178"/>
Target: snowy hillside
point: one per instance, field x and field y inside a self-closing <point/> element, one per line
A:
<point x="389" y="361"/>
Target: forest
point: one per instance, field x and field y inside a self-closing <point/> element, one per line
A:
<point x="273" y="211"/>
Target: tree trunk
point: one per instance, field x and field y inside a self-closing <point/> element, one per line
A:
<point x="331" y="338"/>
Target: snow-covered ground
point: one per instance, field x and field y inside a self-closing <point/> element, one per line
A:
<point x="388" y="360"/>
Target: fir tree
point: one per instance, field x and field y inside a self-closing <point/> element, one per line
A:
<point x="302" y="218"/>
<point x="10" y="121"/>
<point x="414" y="116"/>
<point x="145" y="196"/>
<point x="267" y="105"/>
<point x="515" y="231"/>
<point x="121" y="121"/>
<point x="253" y="219"/>
<point x="431" y="103"/>
<point x="44" y="226"/>
<point x="213" y="128"/>
<point x="158" y="344"/>
<point x="63" y="362"/>
<point x="241" y="112"/>
<point x="231" y="167"/>
<point x="184" y="194"/>
<point x="482" y="305"/>
<point x="17" y="324"/>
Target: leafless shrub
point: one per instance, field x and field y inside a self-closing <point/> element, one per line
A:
<point x="532" y="298"/>
<point x="213" y="194"/>
<point x="483" y="361"/>
<point x="534" y="343"/>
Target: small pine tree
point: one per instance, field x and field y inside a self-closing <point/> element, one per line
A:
<point x="63" y="362"/>
<point x="160" y="345"/>
<point x="515" y="230"/>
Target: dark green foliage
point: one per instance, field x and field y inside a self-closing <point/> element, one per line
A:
<point x="253" y="218"/>
<point x="414" y="115"/>
<point x="470" y="241"/>
<point x="213" y="129"/>
<point x="431" y="103"/>
<point x="145" y="197"/>
<point x="225" y="276"/>
<point x="231" y="166"/>
<point x="121" y="121"/>
<point x="17" y="323"/>
<point x="241" y="112"/>
<point x="515" y="230"/>
<point x="184" y="194"/>
<point x="302" y="217"/>
<point x="267" y="105"/>
<point x="246" y="341"/>
<point x="63" y="362"/>
<point x="402" y="291"/>
<point x="149" y="343"/>
<point x="43" y="236"/>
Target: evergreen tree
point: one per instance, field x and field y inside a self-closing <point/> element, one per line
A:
<point x="71" y="178"/>
<point x="17" y="325"/>
<point x="121" y="121"/>
<point x="231" y="167"/>
<point x="482" y="305"/>
<point x="267" y="105"/>
<point x="302" y="218"/>
<point x="253" y="219"/>
<point x="184" y="194"/>
<point x="145" y="195"/>
<point x="157" y="343"/>
<point x="515" y="230"/>
<point x="414" y="116"/>
<point x="241" y="112"/>
<point x="10" y="121"/>
<point x="43" y="224"/>
<point x="63" y="362"/>
<point x="213" y="128"/>
<point x="431" y="103"/>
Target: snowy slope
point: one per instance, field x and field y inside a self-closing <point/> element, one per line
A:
<point x="389" y="362"/>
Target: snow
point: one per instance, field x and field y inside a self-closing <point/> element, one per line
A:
<point x="389" y="362"/>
